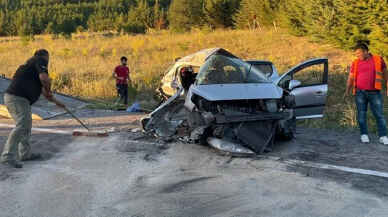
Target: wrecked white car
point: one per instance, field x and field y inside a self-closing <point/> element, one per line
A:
<point x="237" y="106"/>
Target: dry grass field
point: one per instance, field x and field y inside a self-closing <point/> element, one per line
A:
<point x="82" y="66"/>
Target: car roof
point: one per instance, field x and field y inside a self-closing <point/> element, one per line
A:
<point x="259" y="62"/>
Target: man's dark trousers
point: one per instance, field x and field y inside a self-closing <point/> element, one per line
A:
<point x="375" y="99"/>
<point x="122" y="90"/>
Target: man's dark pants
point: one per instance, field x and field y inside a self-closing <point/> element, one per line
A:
<point x="122" y="90"/>
<point x="375" y="99"/>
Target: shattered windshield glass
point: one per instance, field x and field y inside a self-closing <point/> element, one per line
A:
<point x="220" y="69"/>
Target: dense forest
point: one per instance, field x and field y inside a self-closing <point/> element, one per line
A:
<point x="337" y="21"/>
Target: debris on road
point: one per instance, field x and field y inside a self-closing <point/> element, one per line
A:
<point x="90" y="133"/>
<point x="135" y="130"/>
<point x="135" y="107"/>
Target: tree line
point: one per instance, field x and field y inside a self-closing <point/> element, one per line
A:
<point x="343" y="23"/>
<point x="340" y="22"/>
<point x="31" y="17"/>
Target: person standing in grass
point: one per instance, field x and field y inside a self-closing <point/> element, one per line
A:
<point x="121" y="74"/>
<point x="29" y="82"/>
<point x="365" y="81"/>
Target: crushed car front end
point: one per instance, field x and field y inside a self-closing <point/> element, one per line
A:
<point x="231" y="106"/>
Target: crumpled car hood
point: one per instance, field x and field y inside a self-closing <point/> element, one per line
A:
<point x="219" y="92"/>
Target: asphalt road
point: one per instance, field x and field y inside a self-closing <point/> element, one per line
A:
<point x="128" y="174"/>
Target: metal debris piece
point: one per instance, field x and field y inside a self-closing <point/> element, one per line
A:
<point x="229" y="147"/>
<point x="135" y="130"/>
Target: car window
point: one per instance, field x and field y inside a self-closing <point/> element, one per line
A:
<point x="219" y="69"/>
<point x="265" y="68"/>
<point x="311" y="75"/>
<point x="308" y="76"/>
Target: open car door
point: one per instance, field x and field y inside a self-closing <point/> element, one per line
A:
<point x="308" y="83"/>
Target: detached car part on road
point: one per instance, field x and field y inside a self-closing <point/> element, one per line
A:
<point x="237" y="106"/>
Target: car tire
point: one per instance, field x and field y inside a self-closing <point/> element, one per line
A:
<point x="286" y="136"/>
<point x="287" y="133"/>
<point x="206" y="134"/>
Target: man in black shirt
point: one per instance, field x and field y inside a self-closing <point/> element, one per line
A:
<point x="29" y="82"/>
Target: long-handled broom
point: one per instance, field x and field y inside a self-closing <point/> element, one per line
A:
<point x="88" y="132"/>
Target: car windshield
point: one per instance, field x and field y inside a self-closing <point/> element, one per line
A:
<point x="219" y="69"/>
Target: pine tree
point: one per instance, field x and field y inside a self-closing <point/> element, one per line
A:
<point x="354" y="23"/>
<point x="257" y="13"/>
<point x="2" y="24"/>
<point x="142" y="14"/>
<point x="159" y="16"/>
<point x="24" y="23"/>
<point x="378" y="22"/>
<point x="185" y="14"/>
<point x="219" y="13"/>
<point x="322" y="19"/>
<point x="293" y="15"/>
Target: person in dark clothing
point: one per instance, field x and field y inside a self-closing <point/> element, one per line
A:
<point x="187" y="77"/>
<point x="29" y="82"/>
<point x="121" y="74"/>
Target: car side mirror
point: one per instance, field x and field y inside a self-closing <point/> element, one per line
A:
<point x="293" y="84"/>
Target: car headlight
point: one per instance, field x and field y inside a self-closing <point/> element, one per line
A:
<point x="272" y="105"/>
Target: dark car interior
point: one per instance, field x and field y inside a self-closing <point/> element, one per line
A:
<point x="187" y="76"/>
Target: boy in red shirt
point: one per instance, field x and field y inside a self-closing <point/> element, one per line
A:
<point x="121" y="74"/>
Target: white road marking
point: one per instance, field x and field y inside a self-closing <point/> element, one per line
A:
<point x="287" y="161"/>
<point x="331" y="167"/>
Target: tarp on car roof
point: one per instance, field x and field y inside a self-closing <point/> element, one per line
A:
<point x="42" y="109"/>
<point x="196" y="60"/>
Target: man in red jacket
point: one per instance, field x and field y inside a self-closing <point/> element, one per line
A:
<point x="121" y="74"/>
<point x="366" y="78"/>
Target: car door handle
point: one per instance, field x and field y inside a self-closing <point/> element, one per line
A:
<point x="319" y="93"/>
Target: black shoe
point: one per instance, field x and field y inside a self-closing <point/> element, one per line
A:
<point x="33" y="156"/>
<point x="13" y="164"/>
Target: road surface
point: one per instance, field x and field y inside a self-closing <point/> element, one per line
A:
<point x="129" y="174"/>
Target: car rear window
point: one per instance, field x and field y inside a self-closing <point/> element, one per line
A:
<point x="265" y="68"/>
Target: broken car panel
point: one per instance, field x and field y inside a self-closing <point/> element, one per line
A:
<point x="232" y="105"/>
